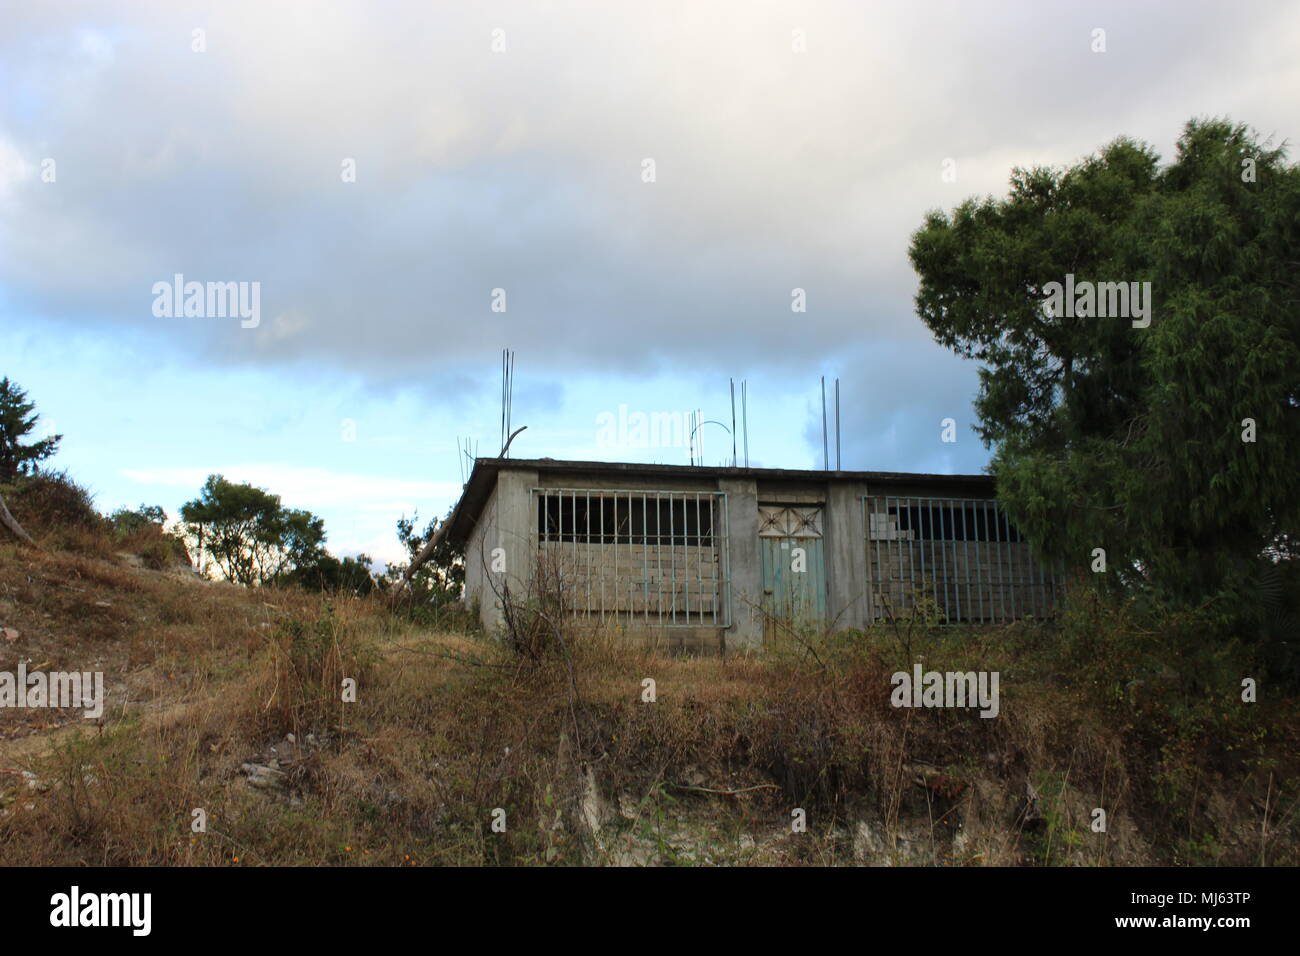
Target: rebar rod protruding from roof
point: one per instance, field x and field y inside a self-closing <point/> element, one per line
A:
<point x="732" y="383"/>
<point x="838" y="462"/>
<point x="826" y="455"/>
<point x="744" y="415"/>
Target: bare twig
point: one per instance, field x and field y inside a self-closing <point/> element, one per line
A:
<point x="725" y="793"/>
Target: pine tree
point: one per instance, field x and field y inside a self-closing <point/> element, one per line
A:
<point x="1169" y="440"/>
<point x="17" y="419"/>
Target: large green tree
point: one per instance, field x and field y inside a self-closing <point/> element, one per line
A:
<point x="1135" y="439"/>
<point x="334" y="576"/>
<point x="251" y="536"/>
<point x="17" y="420"/>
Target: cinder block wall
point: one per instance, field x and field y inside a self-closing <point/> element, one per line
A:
<point x="627" y="579"/>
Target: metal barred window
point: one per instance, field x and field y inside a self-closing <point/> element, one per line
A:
<point x="963" y="553"/>
<point x="652" y="557"/>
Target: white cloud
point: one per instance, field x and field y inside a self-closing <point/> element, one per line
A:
<point x="310" y="488"/>
<point x="521" y="170"/>
<point x="14" y="169"/>
<point x="360" y="510"/>
<point x="96" y="46"/>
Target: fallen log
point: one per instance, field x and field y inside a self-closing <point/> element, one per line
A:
<point x="425" y="553"/>
<point x="436" y="538"/>
<point x="10" y="522"/>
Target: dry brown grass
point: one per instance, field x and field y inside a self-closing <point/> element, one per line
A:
<point x="447" y="728"/>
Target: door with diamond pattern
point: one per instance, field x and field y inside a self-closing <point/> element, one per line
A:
<point x="794" y="569"/>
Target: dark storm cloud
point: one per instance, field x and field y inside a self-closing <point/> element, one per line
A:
<point x="521" y="170"/>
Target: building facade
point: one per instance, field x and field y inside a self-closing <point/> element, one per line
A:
<point x="714" y="559"/>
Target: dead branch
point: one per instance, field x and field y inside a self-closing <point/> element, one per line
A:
<point x="10" y="522"/>
<point x="725" y="793"/>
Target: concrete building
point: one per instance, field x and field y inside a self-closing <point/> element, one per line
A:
<point x="712" y="559"/>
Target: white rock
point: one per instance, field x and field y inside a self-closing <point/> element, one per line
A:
<point x="868" y="846"/>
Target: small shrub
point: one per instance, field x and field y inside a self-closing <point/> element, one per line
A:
<point x="49" y="502"/>
<point x="125" y="522"/>
<point x="310" y="662"/>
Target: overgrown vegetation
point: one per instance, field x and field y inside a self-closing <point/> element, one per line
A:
<point x="432" y="597"/>
<point x="447" y="729"/>
<point x="552" y="727"/>
<point x="61" y="515"/>
<point x="1170" y="447"/>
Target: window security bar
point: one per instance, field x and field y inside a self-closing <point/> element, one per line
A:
<point x="658" y="558"/>
<point x="963" y="553"/>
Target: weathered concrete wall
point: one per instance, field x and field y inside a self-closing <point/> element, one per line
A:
<point x="507" y="522"/>
<point x="848" y="599"/>
<point x="746" y="566"/>
<point x="477" y="562"/>
<point x="603" y="585"/>
<point x="516" y="528"/>
<point x="564" y="479"/>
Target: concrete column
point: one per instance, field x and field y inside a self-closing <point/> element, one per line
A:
<point x="516" y="524"/>
<point x="746" y="631"/>
<point x="507" y="522"/>
<point x="845" y="535"/>
<point x="476" y="567"/>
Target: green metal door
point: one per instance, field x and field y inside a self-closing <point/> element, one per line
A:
<point x="794" y="568"/>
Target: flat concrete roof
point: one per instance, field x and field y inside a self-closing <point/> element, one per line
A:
<point x="483" y="478"/>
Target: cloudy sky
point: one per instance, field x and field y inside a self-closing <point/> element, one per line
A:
<point x="647" y="183"/>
